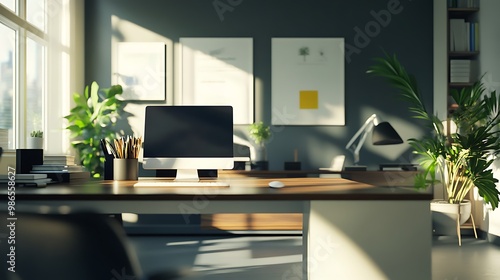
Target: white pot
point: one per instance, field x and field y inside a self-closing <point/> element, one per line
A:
<point x="444" y="215"/>
<point x="260" y="153"/>
<point x="35" y="143"/>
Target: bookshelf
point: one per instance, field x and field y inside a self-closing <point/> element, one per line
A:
<point x="463" y="50"/>
<point x="462" y="45"/>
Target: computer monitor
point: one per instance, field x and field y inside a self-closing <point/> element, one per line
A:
<point x="188" y="138"/>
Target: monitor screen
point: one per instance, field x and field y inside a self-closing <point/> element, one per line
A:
<point x="188" y="137"/>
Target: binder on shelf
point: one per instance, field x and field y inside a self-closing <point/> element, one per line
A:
<point x="463" y="35"/>
<point x="458" y="36"/>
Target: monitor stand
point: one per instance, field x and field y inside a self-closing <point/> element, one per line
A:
<point x="187" y="175"/>
<point x="210" y="174"/>
<point x="184" y="178"/>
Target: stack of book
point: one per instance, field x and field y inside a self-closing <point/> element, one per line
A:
<point x="35" y="180"/>
<point x="61" y="169"/>
<point x="59" y="159"/>
<point x="463" y="3"/>
<point x="464" y="35"/>
<point x="461" y="70"/>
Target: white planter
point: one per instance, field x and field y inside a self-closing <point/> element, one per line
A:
<point x="260" y="153"/>
<point x="444" y="216"/>
<point x="35" y="143"/>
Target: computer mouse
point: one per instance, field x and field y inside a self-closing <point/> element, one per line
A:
<point x="276" y="184"/>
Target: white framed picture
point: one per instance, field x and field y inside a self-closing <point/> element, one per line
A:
<point x="140" y="70"/>
<point x="308" y="81"/>
<point x="219" y="71"/>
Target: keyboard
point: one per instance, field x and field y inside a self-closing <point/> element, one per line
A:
<point x="173" y="184"/>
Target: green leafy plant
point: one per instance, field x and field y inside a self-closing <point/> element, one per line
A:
<point x="37" y="134"/>
<point x="260" y="133"/>
<point x="92" y="119"/>
<point x="462" y="159"/>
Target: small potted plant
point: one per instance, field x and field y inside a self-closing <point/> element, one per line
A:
<point x="260" y="133"/>
<point x="35" y="141"/>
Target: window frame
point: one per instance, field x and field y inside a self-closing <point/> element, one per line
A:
<point x="63" y="70"/>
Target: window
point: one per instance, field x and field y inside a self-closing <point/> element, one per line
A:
<point x="35" y="85"/>
<point x="9" y="4"/>
<point x="37" y="31"/>
<point x="7" y="70"/>
<point x="35" y="13"/>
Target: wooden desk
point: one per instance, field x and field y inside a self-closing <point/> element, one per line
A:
<point x="374" y="177"/>
<point x="382" y="178"/>
<point x="276" y="173"/>
<point x="293" y="221"/>
<point x="351" y="230"/>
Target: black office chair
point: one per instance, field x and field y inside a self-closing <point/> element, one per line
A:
<point x="76" y="247"/>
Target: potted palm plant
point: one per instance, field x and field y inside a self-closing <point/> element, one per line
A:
<point x="260" y="133"/>
<point x="461" y="159"/>
<point x="93" y="118"/>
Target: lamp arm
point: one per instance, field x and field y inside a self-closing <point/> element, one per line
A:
<point x="364" y="130"/>
<point x="251" y="147"/>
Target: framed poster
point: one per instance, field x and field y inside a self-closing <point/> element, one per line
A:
<point x="308" y="81"/>
<point x="140" y="70"/>
<point x="219" y="71"/>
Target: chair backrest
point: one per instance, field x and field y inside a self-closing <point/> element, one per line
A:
<point x="73" y="246"/>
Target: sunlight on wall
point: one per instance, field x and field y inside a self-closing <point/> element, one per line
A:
<point x="126" y="31"/>
<point x="235" y="249"/>
<point x="259" y="99"/>
<point x="218" y="71"/>
<point x="494" y="216"/>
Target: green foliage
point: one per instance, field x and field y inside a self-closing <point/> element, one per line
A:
<point x="260" y="132"/>
<point x="304" y="51"/>
<point x="37" y="134"/>
<point x="92" y="119"/>
<point x="462" y="160"/>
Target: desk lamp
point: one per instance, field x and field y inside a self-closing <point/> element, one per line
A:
<point x="382" y="134"/>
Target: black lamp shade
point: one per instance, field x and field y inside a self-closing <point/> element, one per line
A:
<point x="384" y="134"/>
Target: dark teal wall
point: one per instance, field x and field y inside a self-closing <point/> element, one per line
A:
<point x="408" y="31"/>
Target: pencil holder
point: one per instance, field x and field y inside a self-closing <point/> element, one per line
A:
<point x="125" y="168"/>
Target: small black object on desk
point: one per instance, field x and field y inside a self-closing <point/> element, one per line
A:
<point x="295" y="164"/>
<point x="26" y="158"/>
<point x="108" y="160"/>
<point x="398" y="167"/>
<point x="292" y="165"/>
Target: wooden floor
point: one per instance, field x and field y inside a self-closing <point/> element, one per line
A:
<point x="280" y="257"/>
<point x="291" y="221"/>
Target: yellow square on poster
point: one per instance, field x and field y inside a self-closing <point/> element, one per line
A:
<point x="308" y="99"/>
